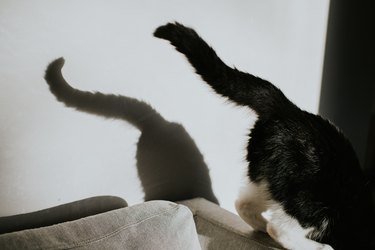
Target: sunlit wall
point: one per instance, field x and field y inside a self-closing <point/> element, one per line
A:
<point x="50" y="154"/>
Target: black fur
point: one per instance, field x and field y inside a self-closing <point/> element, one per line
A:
<point x="170" y="165"/>
<point x="308" y="163"/>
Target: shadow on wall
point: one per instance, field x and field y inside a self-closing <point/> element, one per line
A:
<point x="170" y="165"/>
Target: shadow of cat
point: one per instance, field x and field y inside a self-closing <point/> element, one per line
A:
<point x="169" y="163"/>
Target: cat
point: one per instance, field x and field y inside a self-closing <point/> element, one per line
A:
<point x="306" y="188"/>
<point x="169" y="164"/>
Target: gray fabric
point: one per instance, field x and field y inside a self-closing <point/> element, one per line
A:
<point x="150" y="225"/>
<point x="220" y="229"/>
<point x="66" y="212"/>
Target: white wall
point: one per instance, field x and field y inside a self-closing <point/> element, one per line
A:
<point x="50" y="154"/>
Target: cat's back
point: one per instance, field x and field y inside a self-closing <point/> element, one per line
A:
<point x="312" y="169"/>
<point x="303" y="145"/>
<point x="304" y="152"/>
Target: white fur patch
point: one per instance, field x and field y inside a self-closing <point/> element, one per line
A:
<point x="254" y="200"/>
<point x="256" y="207"/>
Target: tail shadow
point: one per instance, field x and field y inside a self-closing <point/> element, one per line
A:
<point x="169" y="163"/>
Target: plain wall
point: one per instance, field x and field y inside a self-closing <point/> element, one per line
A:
<point x="50" y="154"/>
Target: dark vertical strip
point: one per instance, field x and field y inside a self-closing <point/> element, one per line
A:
<point x="348" y="85"/>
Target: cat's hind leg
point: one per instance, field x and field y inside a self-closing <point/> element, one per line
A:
<point x="288" y="231"/>
<point x="251" y="203"/>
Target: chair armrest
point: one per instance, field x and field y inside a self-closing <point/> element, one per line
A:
<point x="62" y="213"/>
<point x="220" y="229"/>
<point x="148" y="225"/>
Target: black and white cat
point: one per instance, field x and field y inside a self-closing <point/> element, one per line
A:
<point x="306" y="188"/>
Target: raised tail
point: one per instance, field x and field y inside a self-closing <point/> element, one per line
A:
<point x="242" y="88"/>
<point x="136" y="112"/>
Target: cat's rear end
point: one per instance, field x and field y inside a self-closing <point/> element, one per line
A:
<point x="306" y="185"/>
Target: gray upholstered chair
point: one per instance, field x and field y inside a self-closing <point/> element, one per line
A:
<point x="108" y="223"/>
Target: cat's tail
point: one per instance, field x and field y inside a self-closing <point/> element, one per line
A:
<point x="242" y="88"/>
<point x="136" y="112"/>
